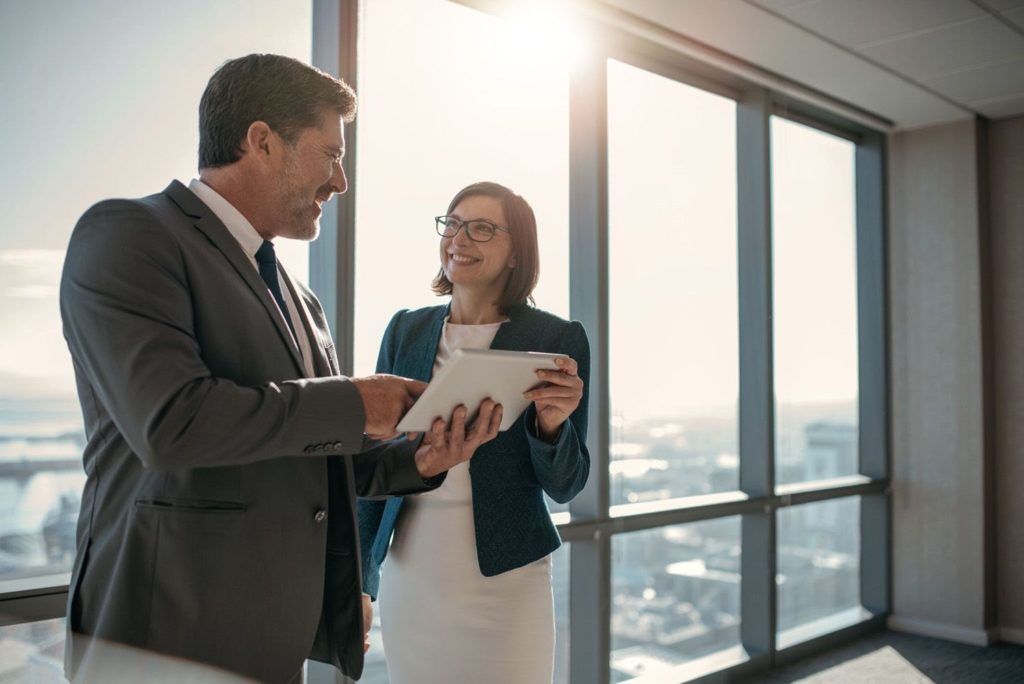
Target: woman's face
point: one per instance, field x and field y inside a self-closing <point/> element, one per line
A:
<point x="483" y="266"/>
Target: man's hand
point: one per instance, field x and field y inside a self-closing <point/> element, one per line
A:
<point x="443" y="448"/>
<point x="386" y="398"/>
<point x="367" y="621"/>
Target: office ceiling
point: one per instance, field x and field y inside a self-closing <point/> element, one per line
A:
<point x="913" y="62"/>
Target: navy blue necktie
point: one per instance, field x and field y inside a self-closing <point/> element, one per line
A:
<point x="266" y="258"/>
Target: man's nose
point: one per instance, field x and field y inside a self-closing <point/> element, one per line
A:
<point x="339" y="182"/>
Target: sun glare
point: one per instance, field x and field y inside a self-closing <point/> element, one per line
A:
<point x="545" y="31"/>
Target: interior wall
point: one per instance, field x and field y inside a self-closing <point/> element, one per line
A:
<point x="937" y="244"/>
<point x="1006" y="193"/>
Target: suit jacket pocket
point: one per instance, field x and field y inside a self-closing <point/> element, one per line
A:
<point x="186" y="505"/>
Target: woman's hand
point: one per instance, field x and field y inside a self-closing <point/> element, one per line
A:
<point x="443" y="448"/>
<point x="556" y="400"/>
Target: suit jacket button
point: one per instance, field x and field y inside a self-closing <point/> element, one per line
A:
<point x="320" y="516"/>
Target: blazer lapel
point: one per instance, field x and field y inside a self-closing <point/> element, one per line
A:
<point x="207" y="222"/>
<point x="506" y="337"/>
<point x="424" y="365"/>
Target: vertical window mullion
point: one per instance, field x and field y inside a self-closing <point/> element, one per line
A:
<point x="757" y="440"/>
<point x="873" y="398"/>
<point x="332" y="255"/>
<point x="590" y="561"/>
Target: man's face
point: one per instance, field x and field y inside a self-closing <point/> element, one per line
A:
<point x="309" y="175"/>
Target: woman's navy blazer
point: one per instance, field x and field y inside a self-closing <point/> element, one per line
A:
<point x="510" y="473"/>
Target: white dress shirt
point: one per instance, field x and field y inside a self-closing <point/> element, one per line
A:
<point x="250" y="241"/>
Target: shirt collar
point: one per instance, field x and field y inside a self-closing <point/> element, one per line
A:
<point x="233" y="220"/>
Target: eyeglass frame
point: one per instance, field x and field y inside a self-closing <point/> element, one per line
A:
<point x="440" y="223"/>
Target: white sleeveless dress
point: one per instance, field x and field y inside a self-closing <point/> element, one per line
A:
<point x="442" y="621"/>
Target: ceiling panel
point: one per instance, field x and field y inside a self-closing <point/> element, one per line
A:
<point x="982" y="83"/>
<point x="915" y="62"/>
<point x="780" y="5"/>
<point x="955" y="47"/>
<point x="1000" y="5"/>
<point x="869" y="21"/>
<point x="1004" y="107"/>
<point x="779" y="46"/>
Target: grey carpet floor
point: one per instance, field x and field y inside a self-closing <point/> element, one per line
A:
<point x="895" y="658"/>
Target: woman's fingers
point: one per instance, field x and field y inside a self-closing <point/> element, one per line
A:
<point x="560" y="378"/>
<point x="567" y="365"/>
<point x="553" y="392"/>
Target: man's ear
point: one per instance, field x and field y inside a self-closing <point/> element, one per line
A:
<point x="258" y="139"/>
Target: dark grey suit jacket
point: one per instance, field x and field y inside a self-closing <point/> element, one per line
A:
<point x="221" y="482"/>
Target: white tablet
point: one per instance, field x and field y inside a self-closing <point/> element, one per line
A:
<point x="472" y="375"/>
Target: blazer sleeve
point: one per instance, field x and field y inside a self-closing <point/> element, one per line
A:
<point x="126" y="306"/>
<point x="562" y="468"/>
<point x="370" y="514"/>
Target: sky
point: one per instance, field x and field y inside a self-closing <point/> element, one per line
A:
<point x="101" y="97"/>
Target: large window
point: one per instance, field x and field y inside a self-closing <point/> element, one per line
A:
<point x="672" y="288"/>
<point x="675" y="596"/>
<point x="741" y="323"/>
<point x="818" y="568"/>
<point x="100" y="100"/>
<point x="815" y="286"/>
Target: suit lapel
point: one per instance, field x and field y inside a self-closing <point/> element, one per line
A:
<point x="322" y="366"/>
<point x="206" y="221"/>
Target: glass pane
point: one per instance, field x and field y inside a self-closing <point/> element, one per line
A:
<point x="135" y="97"/>
<point x="818" y="568"/>
<point x="815" y="307"/>
<point x="33" y="653"/>
<point x="673" y="290"/>
<point x="449" y="96"/>
<point x="675" y="596"/>
<point x="560" y="584"/>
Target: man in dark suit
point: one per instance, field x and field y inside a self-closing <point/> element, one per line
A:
<point x="224" y="451"/>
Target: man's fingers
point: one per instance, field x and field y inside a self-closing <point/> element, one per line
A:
<point x="458" y="430"/>
<point x="482" y="421"/>
<point x="492" y="430"/>
<point x="414" y="387"/>
<point x="437" y="433"/>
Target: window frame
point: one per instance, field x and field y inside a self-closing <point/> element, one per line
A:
<point x="593" y="521"/>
